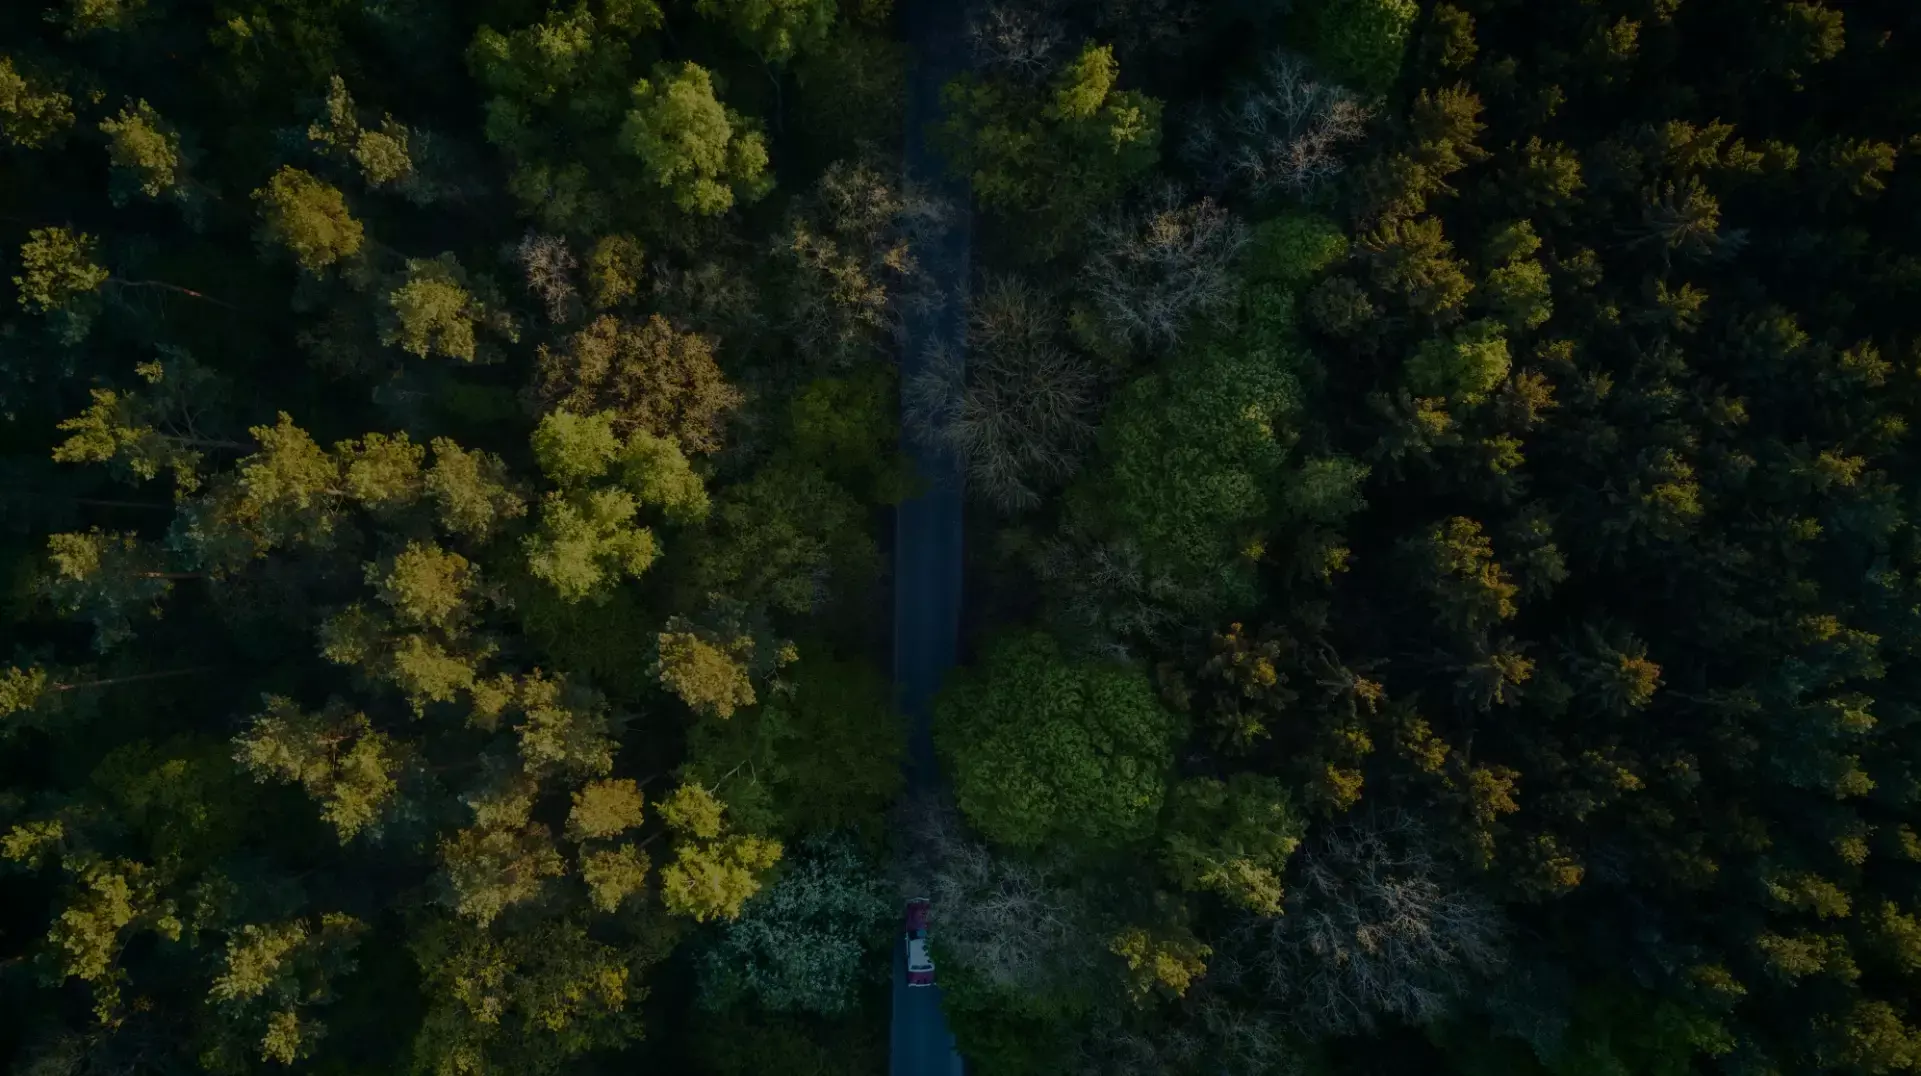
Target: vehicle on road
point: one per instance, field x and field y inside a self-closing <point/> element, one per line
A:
<point x="920" y="966"/>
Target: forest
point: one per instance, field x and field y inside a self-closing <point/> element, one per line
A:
<point x="1439" y="591"/>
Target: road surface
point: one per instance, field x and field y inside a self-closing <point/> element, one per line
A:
<point x="927" y="528"/>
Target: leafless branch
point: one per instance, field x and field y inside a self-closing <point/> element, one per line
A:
<point x="853" y="269"/>
<point x="1208" y="1033"/>
<point x="1152" y="271"/>
<point x="1017" y="37"/>
<point x="548" y="265"/>
<point x="1016" y="412"/>
<point x="1282" y="134"/>
<point x="1105" y="592"/>
<point x="1374" y="927"/>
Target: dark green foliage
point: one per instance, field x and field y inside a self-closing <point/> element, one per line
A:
<point x="823" y="756"/>
<point x="1041" y="746"/>
<point x="800" y="944"/>
<point x="332" y="552"/>
<point x="1054" y="156"/>
<point x="1569" y="528"/>
<point x="1441" y="561"/>
<point x="1361" y="42"/>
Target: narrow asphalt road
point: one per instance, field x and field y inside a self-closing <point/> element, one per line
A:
<point x="927" y="529"/>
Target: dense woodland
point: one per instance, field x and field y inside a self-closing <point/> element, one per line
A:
<point x="1441" y="592"/>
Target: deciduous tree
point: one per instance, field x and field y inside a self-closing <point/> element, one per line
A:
<point x="799" y="944"/>
<point x="144" y="151"/>
<point x="308" y="219"/>
<point x="704" y="155"/>
<point x="647" y="375"/>
<point x="1231" y="838"/>
<point x="1052" y="157"/>
<point x="1283" y="133"/>
<point x="774" y="29"/>
<point x="1150" y="273"/>
<point x="108" y="579"/>
<point x="1043" y="747"/>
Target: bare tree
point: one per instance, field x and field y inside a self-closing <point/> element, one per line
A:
<point x="1007" y="920"/>
<point x="1017" y="37"/>
<point x="1115" y="1046"/>
<point x="716" y="295"/>
<point x="1282" y="134"/>
<point x="1151" y="271"/>
<point x="1374" y="927"/>
<point x="1243" y="1041"/>
<point x="1105" y="594"/>
<point x="1207" y="1033"/>
<point x="548" y="265"/>
<point x="849" y="251"/>
<point x="1017" y="410"/>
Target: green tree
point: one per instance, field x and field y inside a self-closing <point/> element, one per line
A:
<point x="382" y="472"/>
<point x="707" y="671"/>
<point x="1456" y="565"/>
<point x="1462" y="368"/>
<point x="846" y="427"/>
<point x="799" y="944"/>
<point x="1163" y="964"/>
<point x="824" y="756"/>
<point x="586" y="543"/>
<point x="425" y="585"/>
<point x="1189" y="461"/>
<point x="22" y="690"/>
<point x="35" y="109"/>
<point x="1293" y="250"/>
<point x="573" y="449"/>
<point x="308" y="219"/>
<point x="614" y="264"/>
<point x="774" y="29"/>
<point x="383" y="156"/>
<point x="289" y="489"/>
<point x="108" y="902"/>
<point x="473" y="491"/>
<point x="87" y="16"/>
<point x="853" y="86"/>
<point x="1518" y="295"/>
<point x="144" y="150"/>
<point x="435" y="312"/>
<point x="521" y="1001"/>
<point x="613" y="875"/>
<point x="654" y="469"/>
<point x="1042" y="747"/>
<point x="604" y="809"/>
<point x="164" y="426"/>
<point x="1413" y="260"/>
<point x="491" y="868"/>
<point x="1054" y="157"/>
<point x="274" y="973"/>
<point x="335" y="755"/>
<point x="714" y="872"/>
<point x="743" y="1041"/>
<point x="59" y="279"/>
<point x="1231" y="838"/>
<point x="1361" y="42"/>
<point x="702" y="153"/>
<point x="785" y="537"/>
<point x="108" y="579"/>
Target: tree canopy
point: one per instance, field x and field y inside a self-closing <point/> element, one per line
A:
<point x="1438" y="569"/>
